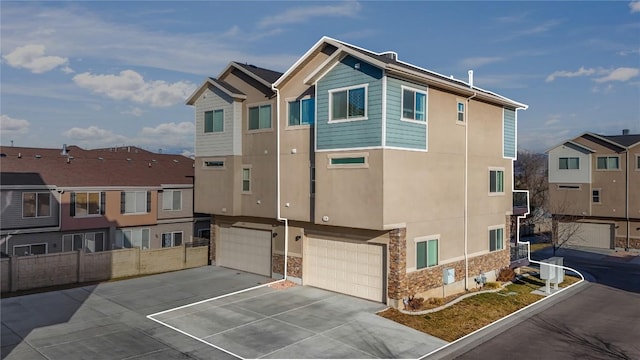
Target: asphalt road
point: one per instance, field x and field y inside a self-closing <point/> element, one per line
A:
<point x="601" y="321"/>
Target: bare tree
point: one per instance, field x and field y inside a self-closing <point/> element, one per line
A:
<point x="531" y="173"/>
<point x="566" y="229"/>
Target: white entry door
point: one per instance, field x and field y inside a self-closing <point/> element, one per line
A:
<point x="350" y="268"/>
<point x="245" y="249"/>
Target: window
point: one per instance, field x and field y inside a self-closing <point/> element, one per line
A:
<point x="72" y="242"/>
<point x="352" y="160"/>
<point x="135" y="202"/>
<point x="348" y="104"/>
<point x="638" y="162"/>
<point x="132" y="238"/>
<point x="595" y="196"/>
<point x="414" y="105"/>
<point x="426" y="253"/>
<point x="36" y="204"/>
<point x="569" y="163"/>
<point x="31" y="249"/>
<point x="496" y="181"/>
<point x="313" y="180"/>
<point x="214" y="121"/>
<point x="301" y="112"/>
<point x="172" y="200"/>
<point x="460" y="112"/>
<point x="608" y="163"/>
<point x="172" y="239"/>
<point x="260" y="117"/>
<point x="496" y="239"/>
<point x="347" y="160"/>
<point x="215" y="164"/>
<point x="569" y="187"/>
<point x="94" y="242"/>
<point x="87" y="204"/>
<point x="246" y="179"/>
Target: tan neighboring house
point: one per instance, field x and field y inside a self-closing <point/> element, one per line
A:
<point x="55" y="200"/>
<point x="594" y="190"/>
<point x="376" y="178"/>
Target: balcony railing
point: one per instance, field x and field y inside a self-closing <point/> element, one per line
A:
<point x="520" y="202"/>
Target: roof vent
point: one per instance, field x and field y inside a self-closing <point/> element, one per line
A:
<point x="3" y="155"/>
<point x="64" y="150"/>
<point x="470" y="78"/>
<point x="38" y="156"/>
<point x="625" y="131"/>
<point x="100" y="158"/>
<point x="390" y="55"/>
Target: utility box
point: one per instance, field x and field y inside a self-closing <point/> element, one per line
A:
<point x="449" y="276"/>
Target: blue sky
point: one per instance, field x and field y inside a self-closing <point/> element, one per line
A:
<point x="100" y="74"/>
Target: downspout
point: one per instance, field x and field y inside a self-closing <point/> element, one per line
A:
<point x="626" y="196"/>
<point x="278" y="195"/>
<point x="466" y="189"/>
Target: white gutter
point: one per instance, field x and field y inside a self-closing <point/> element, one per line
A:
<point x="278" y="194"/>
<point x="466" y="193"/>
<point x="626" y="196"/>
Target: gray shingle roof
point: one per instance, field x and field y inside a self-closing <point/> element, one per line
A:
<point x="227" y="86"/>
<point x="267" y="75"/>
<point x="623" y="140"/>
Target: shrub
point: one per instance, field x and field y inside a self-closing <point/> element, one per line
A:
<point x="506" y="274"/>
<point x="492" y="285"/>
<point x="415" y="303"/>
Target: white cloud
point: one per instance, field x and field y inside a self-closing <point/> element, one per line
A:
<point x="634" y="6"/>
<point x="32" y="58"/>
<point x="163" y="136"/>
<point x="629" y="52"/>
<point x="183" y="128"/>
<point x="303" y="14"/>
<point x="563" y="73"/>
<point x="619" y="74"/>
<point x="476" y="62"/>
<point x="94" y="136"/>
<point x="130" y="85"/>
<point x="135" y="112"/>
<point x="9" y="125"/>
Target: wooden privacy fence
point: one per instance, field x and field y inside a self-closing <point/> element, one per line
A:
<point x="31" y="272"/>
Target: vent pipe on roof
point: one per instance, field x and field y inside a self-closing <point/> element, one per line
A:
<point x="625" y="131"/>
<point x="64" y="150"/>
<point x="470" y="78"/>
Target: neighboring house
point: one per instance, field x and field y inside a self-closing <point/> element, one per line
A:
<point x="57" y="201"/>
<point x="388" y="180"/>
<point x="594" y="183"/>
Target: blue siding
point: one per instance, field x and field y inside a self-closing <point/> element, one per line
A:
<point x="509" y="133"/>
<point x="400" y="133"/>
<point x="354" y="134"/>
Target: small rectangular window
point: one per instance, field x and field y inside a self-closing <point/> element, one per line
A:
<point x="569" y="187"/>
<point x="426" y="254"/>
<point x="638" y="162"/>
<point x="496" y="181"/>
<point x="246" y="180"/>
<point x="461" y="112"/>
<point x="569" y="163"/>
<point x="595" y="196"/>
<point x="213" y="163"/>
<point x="348" y="160"/>
<point x="260" y="117"/>
<point x="414" y="105"/>
<point x="348" y="104"/>
<point x="496" y="239"/>
<point x="608" y="163"/>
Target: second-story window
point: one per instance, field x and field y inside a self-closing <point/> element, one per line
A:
<point x="87" y="203"/>
<point x="214" y="121"/>
<point x="414" y="105"/>
<point x="36" y="204"/>
<point x="172" y="200"/>
<point x="135" y="202"/>
<point x="301" y="112"/>
<point x="460" y="112"/>
<point x="260" y="117"/>
<point x="569" y="163"/>
<point x="348" y="104"/>
<point x="608" y="163"/>
<point x="496" y="181"/>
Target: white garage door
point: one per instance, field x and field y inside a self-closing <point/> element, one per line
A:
<point x="245" y="249"/>
<point x="344" y="267"/>
<point x="586" y="234"/>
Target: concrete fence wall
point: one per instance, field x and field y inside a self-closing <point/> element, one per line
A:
<point x="30" y="272"/>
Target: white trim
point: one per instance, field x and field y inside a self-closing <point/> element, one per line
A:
<point x="176" y="186"/>
<point x="173" y="240"/>
<point x="426" y="104"/>
<point x="384" y="108"/>
<point x="364" y="155"/>
<point x="346" y="89"/>
<point x="125" y="203"/>
<point x="394" y="226"/>
<point x="351" y="149"/>
<point x="29" y="231"/>
<point x="405" y="149"/>
<point x="171" y="191"/>
<point x="30" y="187"/>
<point x="328" y="64"/>
<point x="637" y="163"/>
<point x="46" y="248"/>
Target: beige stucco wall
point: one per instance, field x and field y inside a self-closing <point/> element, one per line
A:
<point x="218" y="190"/>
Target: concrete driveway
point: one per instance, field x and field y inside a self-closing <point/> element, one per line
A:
<point x="109" y="321"/>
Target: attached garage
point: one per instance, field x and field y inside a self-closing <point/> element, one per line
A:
<point x="244" y="249"/>
<point x="346" y="267"/>
<point x="587" y="234"/>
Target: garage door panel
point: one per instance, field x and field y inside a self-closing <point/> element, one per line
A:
<point x="245" y="249"/>
<point x="586" y="234"/>
<point x="350" y="268"/>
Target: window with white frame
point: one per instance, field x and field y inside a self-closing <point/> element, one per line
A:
<point x="130" y="238"/>
<point x="171" y="239"/>
<point x="496" y="239"/>
<point x="246" y="179"/>
<point x="36" y="204"/>
<point x="172" y="200"/>
<point x="87" y="203"/>
<point x="301" y="112"/>
<point x="260" y="117"/>
<point x="135" y="202"/>
<point x="460" y="112"/>
<point x="94" y="241"/>
<point x="496" y="181"/>
<point x="569" y="163"/>
<point x="414" y="104"/>
<point x="426" y="253"/>
<point x="608" y="163"/>
<point x="30" y="249"/>
<point x="348" y="103"/>
<point x="595" y="196"/>
<point x="214" y="121"/>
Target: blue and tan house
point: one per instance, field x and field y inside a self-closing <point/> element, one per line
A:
<point x="594" y="195"/>
<point x="375" y="177"/>
<point x="55" y="200"/>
